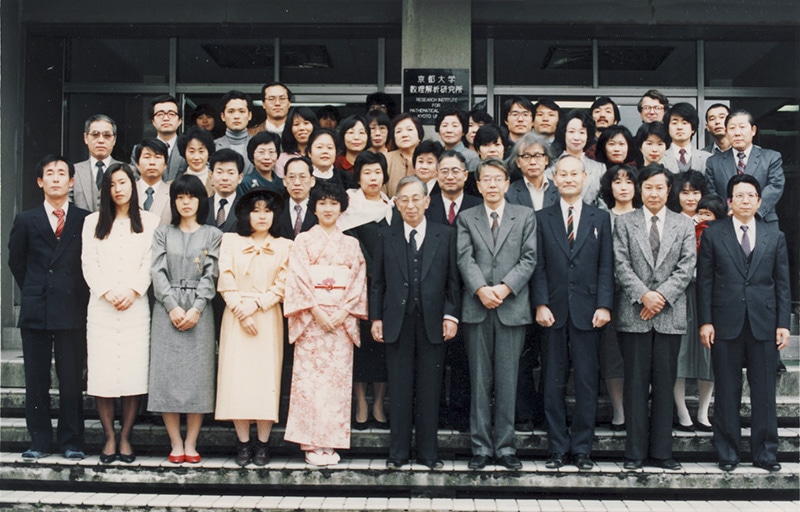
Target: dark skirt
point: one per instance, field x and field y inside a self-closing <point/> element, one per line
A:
<point x="369" y="360"/>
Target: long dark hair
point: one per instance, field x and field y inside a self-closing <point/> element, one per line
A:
<point x="288" y="142"/>
<point x="108" y="209"/>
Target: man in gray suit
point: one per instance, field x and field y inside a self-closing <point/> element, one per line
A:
<point x="654" y="252"/>
<point x="496" y="258"/>
<point x="99" y="135"/>
<point x="151" y="158"/>
<point x="165" y="114"/>
<point x="682" y="123"/>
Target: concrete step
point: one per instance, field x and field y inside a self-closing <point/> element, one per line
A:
<point x="356" y="476"/>
<point x="48" y="501"/>
<point x="219" y="438"/>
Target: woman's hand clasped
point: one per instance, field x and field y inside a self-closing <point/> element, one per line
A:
<point x="121" y="299"/>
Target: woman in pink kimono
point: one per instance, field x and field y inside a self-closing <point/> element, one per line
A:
<point x="325" y="297"/>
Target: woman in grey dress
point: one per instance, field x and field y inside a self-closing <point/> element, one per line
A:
<point x="182" y="357"/>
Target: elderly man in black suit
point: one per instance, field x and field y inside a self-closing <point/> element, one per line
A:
<point x="743" y="309"/>
<point x="45" y="259"/>
<point x="298" y="179"/>
<point x="414" y="308"/>
<point x="573" y="292"/>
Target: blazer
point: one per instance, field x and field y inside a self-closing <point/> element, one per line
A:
<point x="224" y="143"/>
<point x="511" y="261"/>
<point x="160" y="206"/>
<point x="518" y="194"/>
<point x="696" y="163"/>
<point x="764" y="164"/>
<point x="574" y="283"/>
<point x="85" y="194"/>
<point x="176" y="165"/>
<point x="229" y="226"/>
<point x="637" y="273"/>
<point x="48" y="270"/>
<point x="440" y="287"/>
<point x="437" y="214"/>
<point x="727" y="290"/>
<point x="286" y="227"/>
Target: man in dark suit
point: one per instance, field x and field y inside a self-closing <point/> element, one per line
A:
<point x="743" y="309"/>
<point x="45" y="259"/>
<point x="444" y="208"/>
<point x="496" y="258"/>
<point x="744" y="157"/>
<point x="654" y="252"/>
<point x="227" y="167"/>
<point x="99" y="135"/>
<point x="573" y="292"/>
<point x="298" y="179"/>
<point x="414" y="307"/>
<point x="165" y="114"/>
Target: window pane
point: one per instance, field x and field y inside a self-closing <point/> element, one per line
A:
<point x="520" y="62"/>
<point x="141" y="61"/>
<point x="648" y="63"/>
<point x="394" y="62"/>
<point x="226" y="60"/>
<point x="479" y="76"/>
<point x="329" y="61"/>
<point x="752" y="64"/>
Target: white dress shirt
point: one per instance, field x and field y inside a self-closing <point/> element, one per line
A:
<point x="577" y="208"/>
<point x="48" y="208"/>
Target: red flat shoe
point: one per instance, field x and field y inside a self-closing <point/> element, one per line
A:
<point x="192" y="459"/>
<point x="176" y="459"/>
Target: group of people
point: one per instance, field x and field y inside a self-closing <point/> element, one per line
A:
<point x="557" y="239"/>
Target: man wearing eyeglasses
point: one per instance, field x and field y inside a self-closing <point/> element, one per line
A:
<point x="496" y="258"/>
<point x="518" y="117"/>
<point x="652" y="106"/>
<point x="165" y="114"/>
<point x="277" y="99"/>
<point x="99" y="135"/>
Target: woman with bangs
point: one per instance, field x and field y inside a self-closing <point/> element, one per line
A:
<point x="576" y="132"/>
<point x="653" y="141"/>
<point x="196" y="146"/>
<point x="353" y="138"/>
<point x="379" y="126"/>
<point x="616" y="146"/>
<point x="406" y="133"/>
<point x="301" y="122"/>
<point x="182" y="348"/>
<point x="322" y="150"/>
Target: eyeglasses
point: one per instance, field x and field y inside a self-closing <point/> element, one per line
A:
<point x="169" y="114"/>
<point x="262" y="152"/>
<point x="445" y="171"/>
<point x="96" y="135"/>
<point x="519" y="113"/>
<point x="752" y="196"/>
<point x="405" y="200"/>
<point x="527" y="156"/>
<point x="291" y="178"/>
<point x="273" y="99"/>
<point x="494" y="179"/>
<point x="654" y="108"/>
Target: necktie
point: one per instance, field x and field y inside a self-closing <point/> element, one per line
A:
<point x="221" y="212"/>
<point x="149" y="201"/>
<point x="298" y="222"/>
<point x="495" y="226"/>
<point x="655" y="240"/>
<point x="451" y="215"/>
<point x="746" y="241"/>
<point x="570" y="227"/>
<point x="682" y="152"/>
<point x="413" y="241"/>
<point x="60" y="224"/>
<point x="98" y="179"/>
<point x="741" y="164"/>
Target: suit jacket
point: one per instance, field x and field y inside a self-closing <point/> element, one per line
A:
<point x="48" y="270"/>
<point x="229" y="226"/>
<point x="518" y="194"/>
<point x="224" y="143"/>
<point x="764" y="164"/>
<point x="574" y="283"/>
<point x="440" y="287"/>
<point x="637" y="273"/>
<point x="84" y="192"/>
<point x="161" y="203"/>
<point x="696" y="163"/>
<point x="511" y="261"/>
<point x="437" y="214"/>
<point x="287" y="228"/>
<point x="728" y="290"/>
<point x="176" y="165"/>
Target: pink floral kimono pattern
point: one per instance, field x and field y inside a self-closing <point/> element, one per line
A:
<point x="322" y="377"/>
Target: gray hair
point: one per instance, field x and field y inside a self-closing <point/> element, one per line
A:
<point x="526" y="140"/>
<point x="100" y="117"/>
<point x="408" y="180"/>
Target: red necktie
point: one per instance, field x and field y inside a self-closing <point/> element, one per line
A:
<point x="683" y="156"/>
<point x="741" y="165"/>
<point x="451" y="215"/>
<point x="570" y="228"/>
<point x="60" y="225"/>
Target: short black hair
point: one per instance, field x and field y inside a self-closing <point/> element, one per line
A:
<point x="204" y="109"/>
<point x="236" y="95"/>
<point x="380" y="117"/>
<point x="492" y="162"/>
<point x="715" y="204"/>
<point x="403" y="117"/>
<point x="479" y="115"/>
<point x="317" y="133"/>
<point x="648" y="171"/>
<point x="190" y="185"/>
<point x="260" y="138"/>
<point x="346" y="124"/>
<point x="153" y="144"/>
<point x="247" y="204"/>
<point x="743" y="178"/>
<point x="280" y="84"/>
<point x="605" y="100"/>
<point x="381" y="98"/>
<point x="549" y="103"/>
<point x="48" y="159"/>
<point x="427" y="146"/>
<point x="329" y="112"/>
<point x="196" y="133"/>
<point x="522" y="101"/>
<point x="226" y="155"/>
<point x="164" y="98"/>
<point x="656" y="128"/>
<point x="685" y="111"/>
<point x="327" y="189"/>
<point x="366" y="158"/>
<point x="608" y="134"/>
<point x="452" y="111"/>
<point x="740" y="112"/>
<point x="717" y="105"/>
<point x="452" y="153"/>
<point x="486" y="134"/>
<point x="303" y="159"/>
<point x="608" y="178"/>
<point x="654" y="94"/>
<point x="694" y="179"/>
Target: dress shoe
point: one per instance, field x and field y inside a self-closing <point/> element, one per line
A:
<point x="703" y="428"/>
<point x="127" y="458"/>
<point x="432" y="464"/>
<point x="360" y="425"/>
<point x="556" y="460"/>
<point x="74" y="454"/>
<point x="770" y="465"/>
<point x="107" y="458"/>
<point x="727" y="466"/>
<point x="244" y="453"/>
<point x="617" y="427"/>
<point x="781" y="368"/>
<point x="380" y="424"/>
<point x="395" y="463"/>
<point x="524" y="426"/>
<point x="683" y="428"/>
<point x="31" y="455"/>
<point x="192" y="459"/>
<point x="479" y="461"/>
<point x="261" y="454"/>
<point x="461" y="426"/>
<point x="510" y="461"/>
<point x="632" y="464"/>
<point x="583" y="462"/>
<point x="177" y="459"/>
<point x="670" y="464"/>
